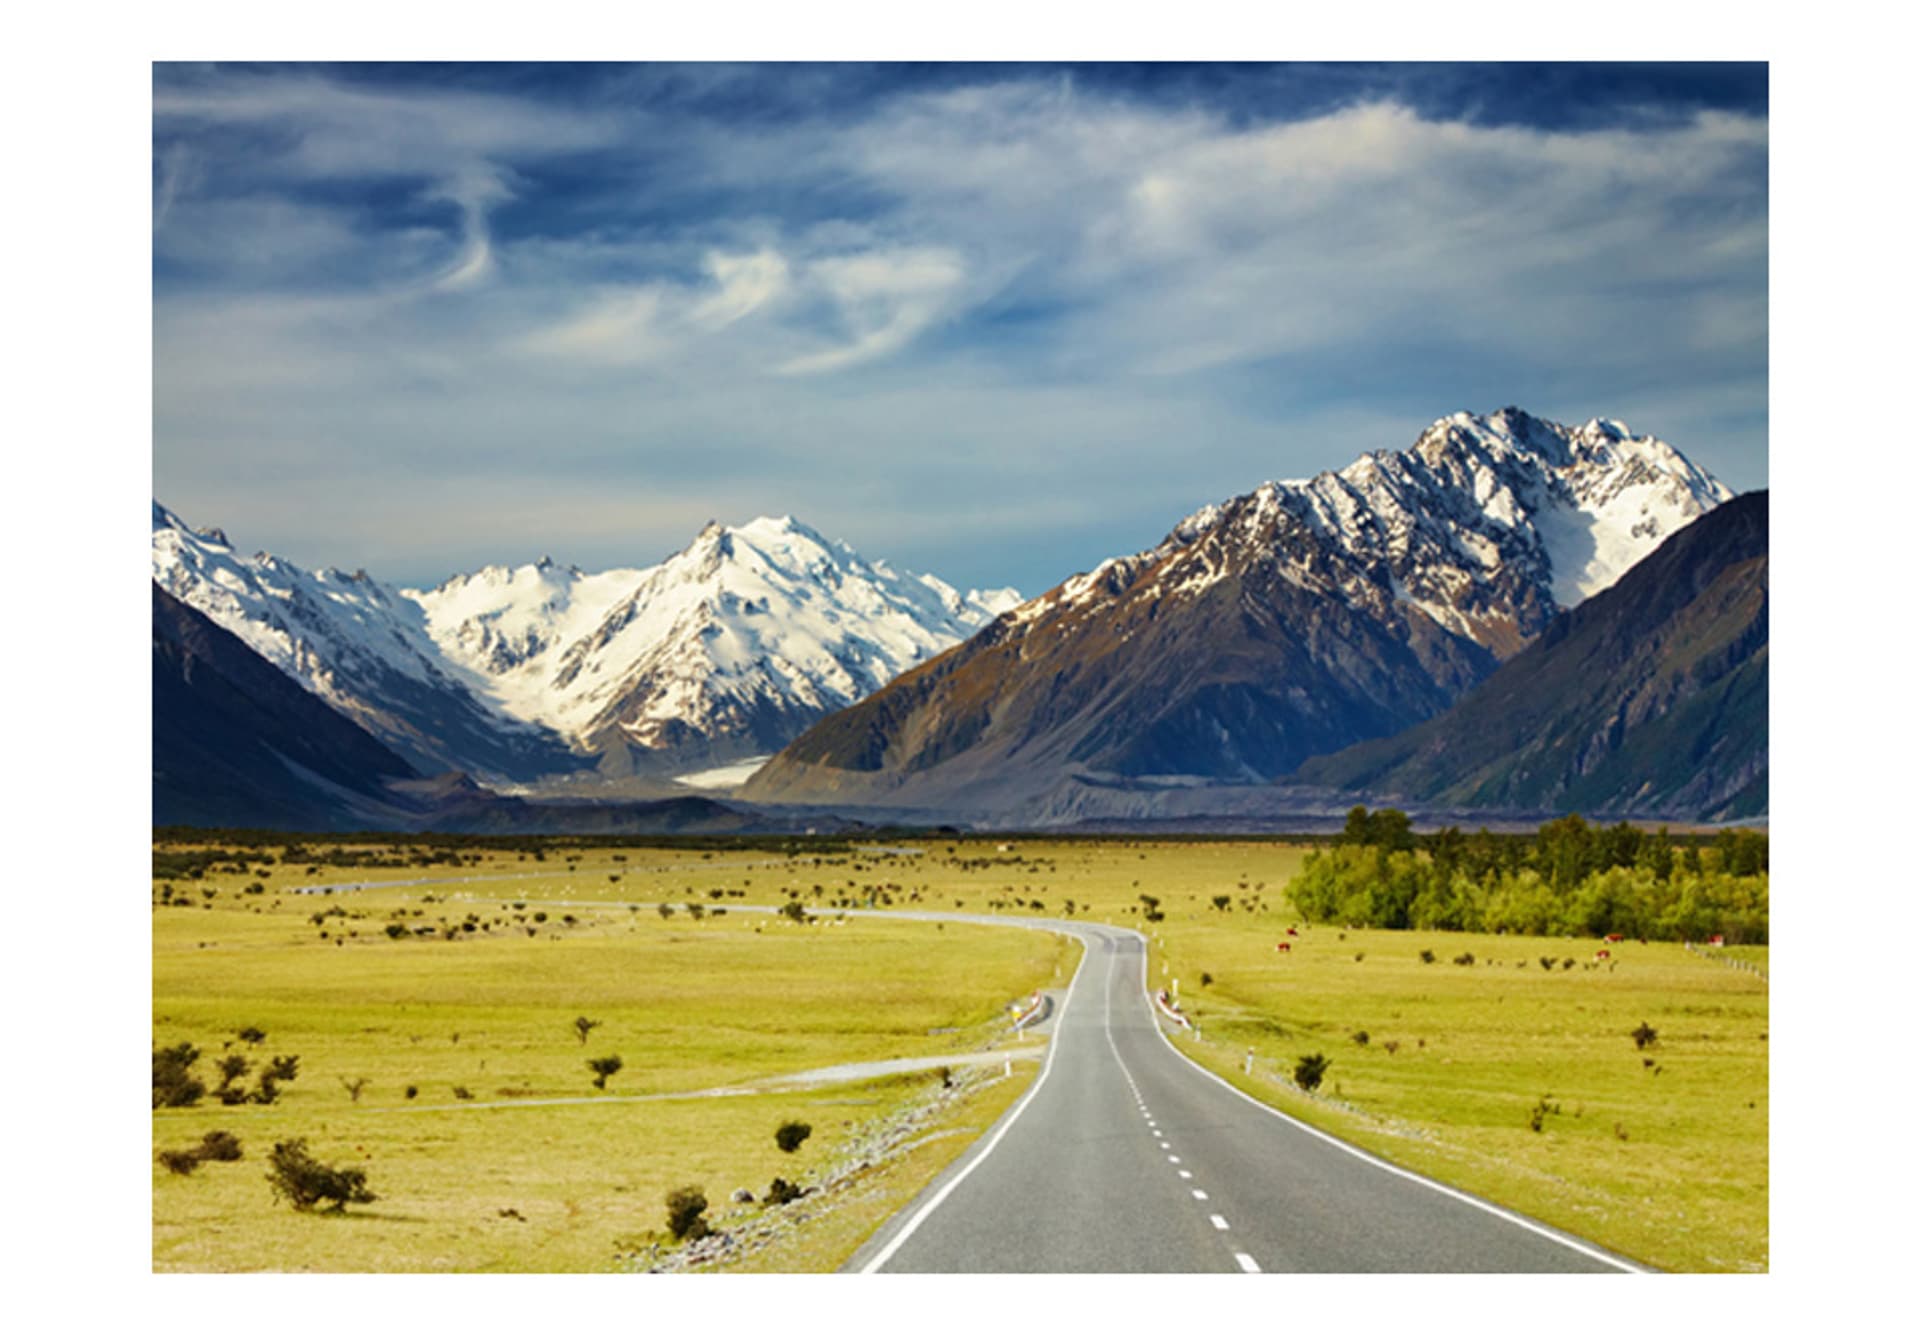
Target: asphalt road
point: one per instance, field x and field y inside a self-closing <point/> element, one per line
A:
<point x="1125" y="1157"/>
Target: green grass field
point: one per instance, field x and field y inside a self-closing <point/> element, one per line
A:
<point x="495" y="1180"/>
<point x="1663" y="1161"/>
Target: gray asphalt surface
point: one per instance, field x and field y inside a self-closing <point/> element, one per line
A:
<point x="1127" y="1158"/>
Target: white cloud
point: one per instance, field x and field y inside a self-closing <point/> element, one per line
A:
<point x="884" y="299"/>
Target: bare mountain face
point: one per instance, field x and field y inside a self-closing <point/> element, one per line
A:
<point x="1650" y="699"/>
<point x="1283" y="624"/>
<point x="727" y="649"/>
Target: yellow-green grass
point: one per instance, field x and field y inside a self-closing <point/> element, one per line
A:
<point x="1686" y="1189"/>
<point x="687" y="1005"/>
<point x="1658" y="1153"/>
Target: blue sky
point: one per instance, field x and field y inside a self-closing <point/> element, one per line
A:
<point x="996" y="322"/>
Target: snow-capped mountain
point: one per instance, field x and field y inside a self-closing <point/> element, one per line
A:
<point x="728" y="648"/>
<point x="1282" y="624"/>
<point x="358" y="644"/>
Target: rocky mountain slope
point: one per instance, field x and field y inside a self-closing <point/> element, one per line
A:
<point x="1650" y="699"/>
<point x="1283" y="624"/>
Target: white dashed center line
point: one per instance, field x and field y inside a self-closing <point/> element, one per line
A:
<point x="1219" y="1222"/>
<point x="1172" y="1159"/>
<point x="1199" y="1195"/>
<point x="1185" y="1175"/>
<point x="1246" y="1262"/>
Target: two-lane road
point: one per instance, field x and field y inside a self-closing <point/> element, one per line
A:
<point x="1126" y="1158"/>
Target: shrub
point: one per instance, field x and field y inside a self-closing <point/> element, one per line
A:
<point x="462" y="1092"/>
<point x="180" y="1162"/>
<point x="303" y="1182"/>
<point x="684" y="1207"/>
<point x="1644" y="1036"/>
<point x="1206" y="979"/>
<point x="395" y="931"/>
<point x="793" y="911"/>
<point x="783" y="1191"/>
<point x="219" y="1146"/>
<point x="252" y="1035"/>
<point x="1464" y="960"/>
<point x="604" y="1068"/>
<point x="1426" y="956"/>
<point x="1361" y="1038"/>
<point x="1308" y="1071"/>
<point x="792" y="1135"/>
<point x="173" y="1081"/>
<point x="413" y="1091"/>
<point x="583" y="1026"/>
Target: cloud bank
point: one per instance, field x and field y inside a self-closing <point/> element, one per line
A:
<point x="997" y="324"/>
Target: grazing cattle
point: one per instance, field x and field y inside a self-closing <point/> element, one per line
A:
<point x="1282" y="947"/>
<point x="1604" y="954"/>
<point x="1716" y="940"/>
<point x="1615" y="939"/>
<point x="1292" y="932"/>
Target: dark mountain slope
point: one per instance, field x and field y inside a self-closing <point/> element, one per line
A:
<point x="238" y="742"/>
<point x="1649" y="699"/>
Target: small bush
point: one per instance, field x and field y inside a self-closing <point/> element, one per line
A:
<point x="684" y="1207"/>
<point x="303" y="1182"/>
<point x="584" y="1026"/>
<point x="1644" y="1036"/>
<point x="251" y="1035"/>
<point x="1308" y="1071"/>
<point x="1206" y="979"/>
<point x="1361" y="1038"/>
<point x="462" y="1092"/>
<point x="219" y="1146"/>
<point x="783" y="1191"/>
<point x="173" y="1081"/>
<point x="604" y="1068"/>
<point x="413" y="1091"/>
<point x="180" y="1162"/>
<point x="792" y="1135"/>
<point x="1426" y="956"/>
<point x="1464" y="960"/>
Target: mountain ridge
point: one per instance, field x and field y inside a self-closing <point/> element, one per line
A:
<point x="1286" y="622"/>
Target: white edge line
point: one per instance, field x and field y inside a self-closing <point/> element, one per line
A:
<point x="1381" y="1163"/>
<point x="1053" y="1046"/>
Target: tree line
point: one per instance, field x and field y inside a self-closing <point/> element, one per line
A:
<point x="1566" y="878"/>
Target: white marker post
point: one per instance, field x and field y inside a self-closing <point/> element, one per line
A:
<point x="1249" y="1069"/>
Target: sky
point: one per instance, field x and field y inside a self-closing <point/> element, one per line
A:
<point x="992" y="322"/>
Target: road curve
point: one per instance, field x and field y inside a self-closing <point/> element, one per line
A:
<point x="1125" y="1157"/>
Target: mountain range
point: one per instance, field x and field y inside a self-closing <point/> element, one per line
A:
<point x="1510" y="615"/>
<point x="1289" y="622"/>
<point x="727" y="649"/>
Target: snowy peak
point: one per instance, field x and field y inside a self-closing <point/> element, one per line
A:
<point x="725" y="644"/>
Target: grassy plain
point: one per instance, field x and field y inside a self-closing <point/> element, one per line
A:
<point x="534" y="1169"/>
<point x="1665" y="1162"/>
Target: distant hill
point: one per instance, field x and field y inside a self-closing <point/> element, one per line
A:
<point x="1648" y="699"/>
